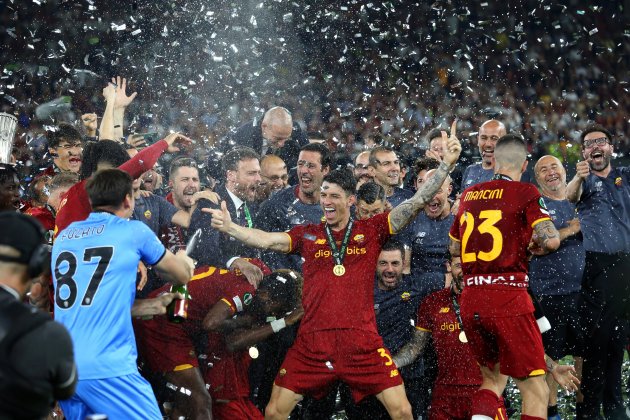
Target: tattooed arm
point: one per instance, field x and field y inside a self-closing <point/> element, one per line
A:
<point x="545" y="238"/>
<point x="407" y="210"/>
<point x="410" y="351"/>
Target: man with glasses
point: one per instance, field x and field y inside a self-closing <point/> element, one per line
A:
<point x="66" y="147"/>
<point x="274" y="175"/>
<point x="602" y="196"/>
<point x="384" y="167"/>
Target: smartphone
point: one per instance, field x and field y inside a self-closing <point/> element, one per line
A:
<point x="150" y="138"/>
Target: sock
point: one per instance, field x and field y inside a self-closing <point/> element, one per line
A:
<point x="485" y="403"/>
<point x="526" y="417"/>
<point x="552" y="410"/>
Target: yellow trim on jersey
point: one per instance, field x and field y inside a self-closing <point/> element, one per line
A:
<point x="499" y="416"/>
<point x="228" y="303"/>
<point x="422" y="329"/>
<point x="453" y="238"/>
<point x="290" y="243"/>
<point x="182" y="367"/>
<point x="389" y="224"/>
<point x="536" y="372"/>
<point x="540" y="220"/>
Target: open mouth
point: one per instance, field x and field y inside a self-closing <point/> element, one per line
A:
<point x="329" y="212"/>
<point x="434" y="207"/>
<point x="75" y="160"/>
<point x="306" y="181"/>
<point x="552" y="178"/>
<point x="597" y="156"/>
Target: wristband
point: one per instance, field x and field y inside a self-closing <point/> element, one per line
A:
<point x="278" y="324"/>
<point x="446" y="167"/>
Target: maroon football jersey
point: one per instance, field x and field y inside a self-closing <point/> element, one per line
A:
<point x="494" y="226"/>
<point x="347" y="301"/>
<point x="456" y="363"/>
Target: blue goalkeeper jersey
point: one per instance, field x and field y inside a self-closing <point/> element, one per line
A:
<point x="94" y="264"/>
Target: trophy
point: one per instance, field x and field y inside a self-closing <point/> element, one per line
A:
<point x="8" y="125"/>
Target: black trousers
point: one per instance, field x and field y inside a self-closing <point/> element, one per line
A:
<point x="604" y="307"/>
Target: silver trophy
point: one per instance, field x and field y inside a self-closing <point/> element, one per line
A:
<point x="8" y="125"/>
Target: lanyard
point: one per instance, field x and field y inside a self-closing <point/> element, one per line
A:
<point x="248" y="216"/>
<point x="339" y="254"/>
<point x="456" y="307"/>
<point x="501" y="176"/>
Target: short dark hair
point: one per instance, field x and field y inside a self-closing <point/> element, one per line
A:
<point x="370" y="192"/>
<point x="325" y="157"/>
<point x="108" y="188"/>
<point x="433" y="133"/>
<point x="424" y="164"/>
<point x="344" y="178"/>
<point x="63" y="132"/>
<point x="102" y="151"/>
<point x="394" y="245"/>
<point x="33" y="191"/>
<point x="378" y="149"/>
<point x="7" y="172"/>
<point x="592" y="128"/>
<point x="63" y="179"/>
<point x="284" y="287"/>
<point x="181" y="162"/>
<point x="230" y="160"/>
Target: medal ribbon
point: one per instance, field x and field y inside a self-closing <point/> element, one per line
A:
<point x="248" y="216"/>
<point x="501" y="176"/>
<point x="339" y="254"/>
<point x="456" y="307"/>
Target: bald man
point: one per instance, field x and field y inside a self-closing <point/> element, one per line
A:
<point x="275" y="177"/>
<point x="489" y="133"/>
<point x="276" y="134"/>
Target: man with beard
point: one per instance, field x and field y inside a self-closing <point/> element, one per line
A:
<point x="297" y="205"/>
<point x="602" y="196"/>
<point x="384" y="167"/>
<point x="9" y="188"/>
<point x="274" y="177"/>
<point x="337" y="339"/>
<point x="361" y="171"/>
<point x="370" y="200"/>
<point x="555" y="278"/>
<point x="65" y="145"/>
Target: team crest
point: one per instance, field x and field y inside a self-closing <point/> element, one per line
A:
<point x="359" y="238"/>
<point x="283" y="372"/>
<point x="405" y="296"/>
<point x="147" y="214"/>
<point x="618" y="181"/>
<point x="247" y="298"/>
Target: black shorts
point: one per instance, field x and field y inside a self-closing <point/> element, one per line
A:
<point x="565" y="333"/>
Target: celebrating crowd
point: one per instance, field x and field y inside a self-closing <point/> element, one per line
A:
<point x="379" y="210"/>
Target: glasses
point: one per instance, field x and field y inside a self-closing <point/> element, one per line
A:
<point x="307" y="165"/>
<point x="276" y="178"/>
<point x="592" y="142"/>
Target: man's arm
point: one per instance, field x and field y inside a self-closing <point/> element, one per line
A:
<point x="221" y="220"/>
<point x="574" y="188"/>
<point x="410" y="351"/>
<point x="107" y="123"/>
<point x="407" y="210"/>
<point x="242" y="339"/>
<point x="153" y="306"/>
<point x="545" y="238"/>
<point x="120" y="104"/>
<point x="177" y="269"/>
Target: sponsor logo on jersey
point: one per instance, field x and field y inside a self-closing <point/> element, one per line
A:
<point x="147" y="214"/>
<point x="444" y="310"/>
<point x="359" y="238"/>
<point x="354" y="250"/>
<point x="320" y="242"/>
<point x="508" y="280"/>
<point x="495" y="194"/>
<point x="449" y="326"/>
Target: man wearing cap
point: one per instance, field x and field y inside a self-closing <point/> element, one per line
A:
<point x="29" y="383"/>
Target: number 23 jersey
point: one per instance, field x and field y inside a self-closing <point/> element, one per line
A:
<point x="494" y="225"/>
<point x="94" y="264"/>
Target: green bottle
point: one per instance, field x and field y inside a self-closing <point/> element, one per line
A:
<point x="177" y="310"/>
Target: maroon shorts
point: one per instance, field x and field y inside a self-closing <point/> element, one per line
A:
<point x="316" y="361"/>
<point x="514" y="342"/>
<point x="164" y="346"/>
<point x="454" y="402"/>
<point x="237" y="409"/>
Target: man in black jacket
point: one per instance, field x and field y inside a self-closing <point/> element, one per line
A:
<point x="276" y="134"/>
<point x="36" y="357"/>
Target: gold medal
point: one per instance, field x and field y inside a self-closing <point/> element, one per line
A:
<point x="339" y="270"/>
<point x="462" y="337"/>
